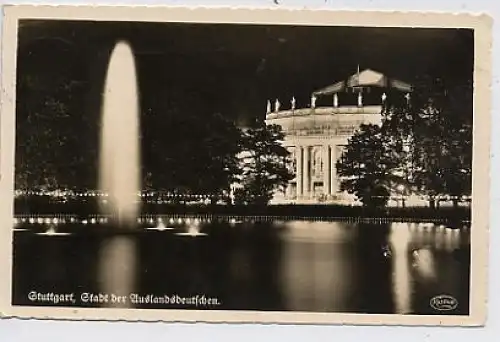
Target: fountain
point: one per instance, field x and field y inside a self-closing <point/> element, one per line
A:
<point x="160" y="226"/>
<point x="16" y="226"/>
<point x="193" y="230"/>
<point x="120" y="171"/>
<point x="53" y="232"/>
<point x="119" y="154"/>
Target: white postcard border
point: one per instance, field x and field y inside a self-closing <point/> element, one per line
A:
<point x="481" y="146"/>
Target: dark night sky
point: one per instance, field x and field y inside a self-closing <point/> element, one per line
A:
<point x="234" y="69"/>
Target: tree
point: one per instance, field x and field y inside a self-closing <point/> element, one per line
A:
<point x="265" y="164"/>
<point x="368" y="165"/>
<point x="187" y="154"/>
<point x="50" y="124"/>
<point x="436" y="126"/>
<point x="223" y="144"/>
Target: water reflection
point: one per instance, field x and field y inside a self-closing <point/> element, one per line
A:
<point x="399" y="242"/>
<point x="316" y="265"/>
<point x="296" y="265"/>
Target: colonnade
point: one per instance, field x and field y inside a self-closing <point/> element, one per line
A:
<point x="304" y="180"/>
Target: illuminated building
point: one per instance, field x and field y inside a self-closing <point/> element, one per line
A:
<point x="317" y="134"/>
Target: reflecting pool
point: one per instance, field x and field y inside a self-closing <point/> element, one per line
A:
<point x="316" y="266"/>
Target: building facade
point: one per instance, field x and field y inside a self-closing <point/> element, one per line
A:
<point x="316" y="135"/>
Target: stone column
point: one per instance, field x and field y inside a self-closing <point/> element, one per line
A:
<point x="333" y="170"/>
<point x="298" y="163"/>
<point x="326" y="170"/>
<point x="289" y="188"/>
<point x="307" y="175"/>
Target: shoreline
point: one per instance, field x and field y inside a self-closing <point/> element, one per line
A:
<point x="91" y="209"/>
<point x="144" y="218"/>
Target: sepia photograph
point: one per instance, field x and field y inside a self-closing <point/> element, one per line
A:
<point x="165" y="168"/>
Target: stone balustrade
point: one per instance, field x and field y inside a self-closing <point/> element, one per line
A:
<point x="344" y="110"/>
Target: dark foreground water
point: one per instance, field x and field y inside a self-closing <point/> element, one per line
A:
<point x="294" y="265"/>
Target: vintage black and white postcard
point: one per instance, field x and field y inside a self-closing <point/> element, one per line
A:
<point x="244" y="165"/>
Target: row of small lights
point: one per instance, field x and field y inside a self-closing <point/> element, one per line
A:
<point x="98" y="194"/>
<point x="58" y="193"/>
<point x="55" y="220"/>
<point x="429" y="226"/>
<point x="426" y="197"/>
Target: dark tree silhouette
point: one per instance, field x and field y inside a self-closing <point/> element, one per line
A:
<point x="187" y="154"/>
<point x="265" y="164"/>
<point x="367" y="166"/>
<point x="436" y="126"/>
<point x="50" y="124"/>
<point x="424" y="144"/>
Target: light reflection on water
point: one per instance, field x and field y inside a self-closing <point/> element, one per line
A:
<point x="117" y="271"/>
<point x="320" y="264"/>
<point x="399" y="242"/>
<point x="295" y="265"/>
<point x="316" y="274"/>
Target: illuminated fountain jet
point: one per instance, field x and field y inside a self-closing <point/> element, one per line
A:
<point x="119" y="150"/>
<point x="193" y="230"/>
<point x="120" y="172"/>
<point x="160" y="226"/>
<point x="15" y="224"/>
<point x="53" y="232"/>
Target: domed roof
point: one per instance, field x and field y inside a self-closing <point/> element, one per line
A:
<point x="364" y="79"/>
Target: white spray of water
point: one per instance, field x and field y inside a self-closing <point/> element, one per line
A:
<point x="119" y="154"/>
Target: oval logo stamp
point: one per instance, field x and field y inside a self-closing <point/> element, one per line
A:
<point x="444" y="303"/>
